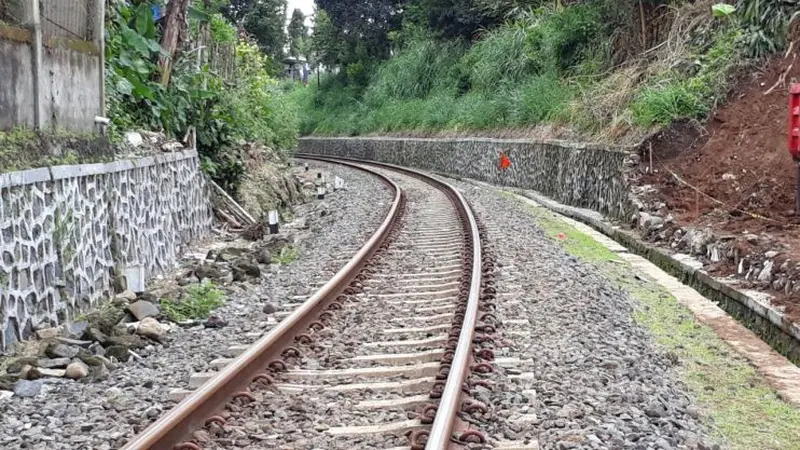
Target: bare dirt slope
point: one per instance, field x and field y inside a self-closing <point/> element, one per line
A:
<point x="735" y="175"/>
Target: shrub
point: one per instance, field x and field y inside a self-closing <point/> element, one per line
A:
<point x="199" y="301"/>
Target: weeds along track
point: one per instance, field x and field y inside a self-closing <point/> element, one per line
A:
<point x="383" y="355"/>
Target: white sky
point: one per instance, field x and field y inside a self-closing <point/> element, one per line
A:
<point x="307" y="6"/>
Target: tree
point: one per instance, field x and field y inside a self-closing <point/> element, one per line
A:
<point x="325" y="43"/>
<point x="174" y="29"/>
<point x="298" y="33"/>
<point x="236" y="10"/>
<point x="365" y="23"/>
<point x="265" y="21"/>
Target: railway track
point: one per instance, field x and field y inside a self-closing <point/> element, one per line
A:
<point x="384" y="355"/>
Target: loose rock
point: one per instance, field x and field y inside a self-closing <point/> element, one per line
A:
<point x="56" y="350"/>
<point x="153" y="329"/>
<point x="142" y="309"/>
<point x="78" y="370"/>
<point x="25" y="388"/>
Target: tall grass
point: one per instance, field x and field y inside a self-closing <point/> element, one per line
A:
<point x="547" y="66"/>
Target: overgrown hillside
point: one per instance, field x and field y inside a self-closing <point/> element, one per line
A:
<point x="601" y="70"/>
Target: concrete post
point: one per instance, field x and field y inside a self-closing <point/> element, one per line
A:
<point x="38" y="75"/>
<point x="99" y="39"/>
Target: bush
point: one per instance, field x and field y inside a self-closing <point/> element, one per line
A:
<point x="199" y="301"/>
<point x="254" y="108"/>
<point x="680" y="95"/>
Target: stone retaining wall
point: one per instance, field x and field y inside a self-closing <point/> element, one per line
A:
<point x="65" y="229"/>
<point x="587" y="176"/>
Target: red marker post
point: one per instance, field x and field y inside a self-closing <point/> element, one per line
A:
<point x="794" y="136"/>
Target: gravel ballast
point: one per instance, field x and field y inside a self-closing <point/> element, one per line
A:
<point x="599" y="381"/>
<point x="67" y="414"/>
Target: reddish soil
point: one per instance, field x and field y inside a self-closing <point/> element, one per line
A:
<point x="739" y="163"/>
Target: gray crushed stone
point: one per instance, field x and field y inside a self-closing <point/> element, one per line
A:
<point x="104" y="415"/>
<point x="599" y="381"/>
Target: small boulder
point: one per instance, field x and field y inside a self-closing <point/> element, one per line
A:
<point x="118" y="352"/>
<point x="76" y="330"/>
<point x="55" y="363"/>
<point x="91" y="360"/>
<point x="29" y="373"/>
<point x="26" y="388"/>
<point x="100" y="373"/>
<point x="264" y="257"/>
<point x="244" y="269"/>
<point x="59" y="350"/>
<point x="171" y="147"/>
<point x="766" y="274"/>
<point x="97" y="349"/>
<point x="269" y="308"/>
<point x="74" y="342"/>
<point x="649" y="222"/>
<point x="48" y="333"/>
<point x="153" y="329"/>
<point x="127" y="295"/>
<point x="34" y="373"/>
<point x="133" y="139"/>
<point x="94" y="334"/>
<point x="209" y="271"/>
<point x="215" y="322"/>
<point x="127" y="340"/>
<point x="7" y="382"/>
<point x="77" y="370"/>
<point x="231" y="253"/>
<point x="142" y="309"/>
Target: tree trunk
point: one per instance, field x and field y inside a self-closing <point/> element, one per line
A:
<point x="174" y="23"/>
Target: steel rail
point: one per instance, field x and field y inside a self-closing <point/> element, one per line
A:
<point x="172" y="428"/>
<point x="449" y="404"/>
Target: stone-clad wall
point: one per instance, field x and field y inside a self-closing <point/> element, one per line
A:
<point x="586" y="176"/>
<point x="64" y="229"/>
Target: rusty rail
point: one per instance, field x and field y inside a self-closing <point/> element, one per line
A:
<point x="168" y="432"/>
<point x="196" y="410"/>
<point x="446" y="419"/>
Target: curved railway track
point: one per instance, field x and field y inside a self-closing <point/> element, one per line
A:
<point x="387" y="351"/>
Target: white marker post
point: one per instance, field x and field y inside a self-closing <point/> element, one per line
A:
<point x="273" y="222"/>
<point x="306" y="166"/>
<point x="320" y="192"/>
<point x="338" y="184"/>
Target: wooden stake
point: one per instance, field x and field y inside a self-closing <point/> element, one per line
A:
<point x="651" y="157"/>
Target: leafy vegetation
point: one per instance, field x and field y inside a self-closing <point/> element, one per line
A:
<point x="287" y="255"/>
<point x="765" y="24"/>
<point x="250" y="106"/>
<point x="200" y="300"/>
<point x="601" y="68"/>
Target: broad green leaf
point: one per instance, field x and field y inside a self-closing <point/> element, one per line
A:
<point x="124" y="86"/>
<point x="198" y="14"/>
<point x="723" y="10"/>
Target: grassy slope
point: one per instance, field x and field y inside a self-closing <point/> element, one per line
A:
<point x="547" y="68"/>
<point x="742" y="411"/>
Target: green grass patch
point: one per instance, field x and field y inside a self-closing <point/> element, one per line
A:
<point x="287" y="255"/>
<point x="740" y="409"/>
<point x="199" y="301"/>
